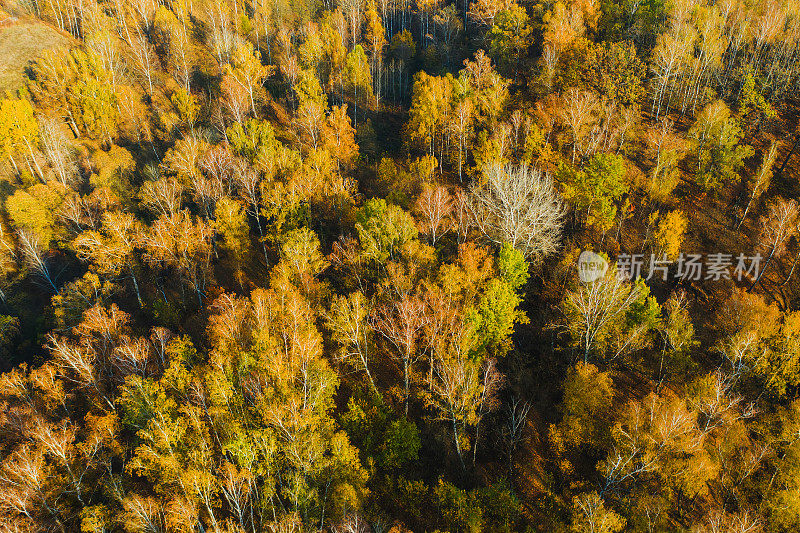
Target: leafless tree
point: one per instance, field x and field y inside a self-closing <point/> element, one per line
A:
<point x="517" y="413"/>
<point x="58" y="150"/>
<point x="760" y="180"/>
<point x="144" y="57"/>
<point x="401" y="323"/>
<point x="35" y="256"/>
<point x="434" y="206"/>
<point x="520" y="206"/>
<point x="352" y="523"/>
<point x="580" y="113"/>
<point x="777" y="227"/>
<point x="163" y="196"/>
<point x="722" y="522"/>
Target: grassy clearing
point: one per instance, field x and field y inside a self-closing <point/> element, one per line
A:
<point x="20" y="43"/>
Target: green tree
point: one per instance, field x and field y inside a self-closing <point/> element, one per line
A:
<point x="509" y="36"/>
<point x="255" y="141"/>
<point x="595" y="188"/>
<point x="379" y="434"/>
<point x="383" y="229"/>
<point x="513" y="267"/>
<point x="716" y="136"/>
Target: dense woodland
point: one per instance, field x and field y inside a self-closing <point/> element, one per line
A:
<point x="302" y="265"/>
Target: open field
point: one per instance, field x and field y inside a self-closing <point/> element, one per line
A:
<point x="20" y="43"/>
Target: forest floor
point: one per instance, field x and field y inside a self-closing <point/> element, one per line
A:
<point x="21" y="41"/>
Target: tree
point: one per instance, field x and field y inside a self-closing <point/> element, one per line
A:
<point x="231" y="223"/>
<point x="461" y="128"/>
<point x="671" y="52"/>
<point x="92" y="97"/>
<point x="430" y="107"/>
<point x="751" y="102"/>
<point x="163" y="196"/>
<point x="519" y="206"/>
<point x="616" y="72"/>
<point x="402" y="48"/>
<point x="375" y="36"/>
<point x="401" y="323"/>
<point x="34" y="253"/>
<point x="179" y="242"/>
<point x="456" y="394"/>
<point x="19" y="132"/>
<point x="58" y="150"/>
<point x="783" y="506"/>
<point x="357" y="74"/>
<point x="508" y="37"/>
<point x="590" y="515"/>
<point x="112" y="249"/>
<point x="778" y="225"/>
<point x="434" y="206"/>
<point x="580" y="113"/>
<point x="301" y="262"/>
<point x="312" y="105"/>
<point x="144" y="57"/>
<point x="759" y="343"/>
<point x="113" y="170"/>
<point x="449" y="27"/>
<point x="658" y="439"/>
<point x="484" y="12"/>
<point x="716" y="137"/>
<point x="171" y="36"/>
<point x="383" y="229"/>
<point x="669" y="234"/>
<point x="272" y="351"/>
<point x="584" y="425"/>
<point x="666" y="149"/>
<point x="34" y="210"/>
<point x="339" y="136"/>
<point x="255" y="141"/>
<point x="489" y="90"/>
<point x="245" y="67"/>
<point x="596" y="188"/>
<point x="348" y="320"/>
<point x="187" y="107"/>
<point x="760" y="181"/>
<point x="610" y="316"/>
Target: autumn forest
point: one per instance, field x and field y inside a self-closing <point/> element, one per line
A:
<point x="373" y="266"/>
